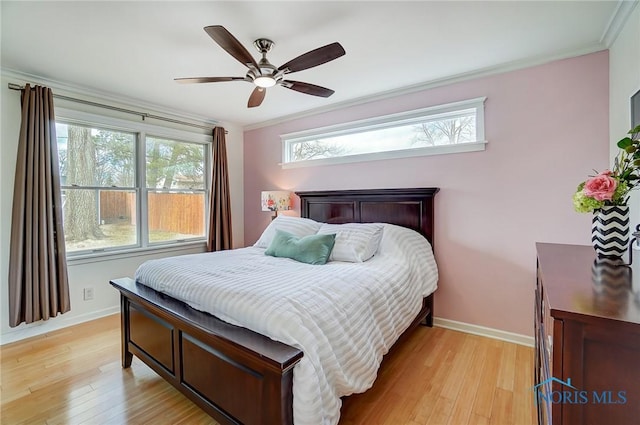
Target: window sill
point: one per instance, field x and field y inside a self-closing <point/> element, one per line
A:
<point x="404" y="153"/>
<point x="133" y="252"/>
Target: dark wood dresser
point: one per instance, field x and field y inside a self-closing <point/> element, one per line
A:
<point x="587" y="333"/>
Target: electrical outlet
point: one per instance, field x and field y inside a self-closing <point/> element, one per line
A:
<point x="88" y="294"/>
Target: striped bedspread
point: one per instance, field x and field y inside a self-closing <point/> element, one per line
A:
<point x="343" y="316"/>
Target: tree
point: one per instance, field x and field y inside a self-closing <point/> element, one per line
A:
<point x="167" y="159"/>
<point x="80" y="211"/>
<point x="62" y="163"/>
<point x="154" y="165"/>
<point x="114" y="158"/>
<point x="315" y="149"/>
<point x="445" y="132"/>
<point x="94" y="159"/>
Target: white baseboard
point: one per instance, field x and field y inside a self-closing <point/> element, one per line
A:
<point x="55" y="324"/>
<point x="50" y="326"/>
<point x="484" y="331"/>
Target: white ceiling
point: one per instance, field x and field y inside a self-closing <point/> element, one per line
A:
<point x="133" y="50"/>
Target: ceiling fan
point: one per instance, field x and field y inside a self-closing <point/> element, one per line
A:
<point x="263" y="74"/>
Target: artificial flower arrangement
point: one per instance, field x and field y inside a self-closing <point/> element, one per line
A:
<point x="612" y="187"/>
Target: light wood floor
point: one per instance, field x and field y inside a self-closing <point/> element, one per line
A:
<point x="436" y="376"/>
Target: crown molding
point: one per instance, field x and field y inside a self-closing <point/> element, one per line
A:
<point x="91" y="94"/>
<point x="617" y="21"/>
<point x="471" y="75"/>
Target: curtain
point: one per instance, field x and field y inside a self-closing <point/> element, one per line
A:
<point x="220" y="210"/>
<point x="38" y="283"/>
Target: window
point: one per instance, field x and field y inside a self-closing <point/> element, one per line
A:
<point x="455" y="127"/>
<point x="124" y="189"/>
<point x="175" y="190"/>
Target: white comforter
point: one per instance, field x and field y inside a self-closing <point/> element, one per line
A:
<point x="343" y="316"/>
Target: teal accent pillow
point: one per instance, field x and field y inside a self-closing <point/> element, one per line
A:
<point x="311" y="249"/>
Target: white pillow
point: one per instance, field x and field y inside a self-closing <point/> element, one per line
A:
<point x="400" y="241"/>
<point x="297" y="226"/>
<point x="355" y="242"/>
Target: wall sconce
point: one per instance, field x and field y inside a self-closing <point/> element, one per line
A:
<point x="275" y="200"/>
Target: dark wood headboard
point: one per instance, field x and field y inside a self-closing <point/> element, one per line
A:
<point x="412" y="208"/>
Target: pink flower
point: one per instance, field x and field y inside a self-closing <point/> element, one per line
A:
<point x="601" y="187"/>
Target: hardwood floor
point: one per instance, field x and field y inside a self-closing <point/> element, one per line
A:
<point x="436" y="376"/>
<point x="439" y="376"/>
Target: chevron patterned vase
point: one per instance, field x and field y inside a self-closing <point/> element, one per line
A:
<point x="610" y="231"/>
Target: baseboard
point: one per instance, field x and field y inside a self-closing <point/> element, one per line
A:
<point x="51" y="325"/>
<point x="484" y="331"/>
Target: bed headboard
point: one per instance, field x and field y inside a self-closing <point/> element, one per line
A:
<point x="412" y="208"/>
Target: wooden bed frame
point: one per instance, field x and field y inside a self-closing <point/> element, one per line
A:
<point x="236" y="375"/>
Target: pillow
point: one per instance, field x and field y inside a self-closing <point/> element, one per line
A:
<point x="311" y="249"/>
<point x="355" y="242"/>
<point x="297" y="226"/>
<point x="401" y="241"/>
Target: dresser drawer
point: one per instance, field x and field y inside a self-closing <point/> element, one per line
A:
<point x="587" y="339"/>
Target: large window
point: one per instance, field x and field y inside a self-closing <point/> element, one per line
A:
<point x="455" y="127"/>
<point x="124" y="189"/>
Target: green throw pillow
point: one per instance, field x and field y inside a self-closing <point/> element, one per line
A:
<point x="312" y="249"/>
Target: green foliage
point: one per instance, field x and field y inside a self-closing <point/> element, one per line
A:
<point x="626" y="167"/>
<point x="624" y="176"/>
<point x="585" y="204"/>
<point x="174" y="164"/>
<point x="114" y="158"/>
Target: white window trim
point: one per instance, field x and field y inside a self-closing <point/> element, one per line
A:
<point x="396" y="154"/>
<point x="86" y="257"/>
<point x="142" y="128"/>
<point x="382" y="122"/>
<point x="80" y="117"/>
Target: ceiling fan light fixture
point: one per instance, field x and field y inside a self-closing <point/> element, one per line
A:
<point x="264" y="81"/>
<point x="262" y="73"/>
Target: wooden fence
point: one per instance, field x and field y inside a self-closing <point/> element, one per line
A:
<point x="117" y="207"/>
<point x="168" y="212"/>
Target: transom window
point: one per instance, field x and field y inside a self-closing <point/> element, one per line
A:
<point x="124" y="189"/>
<point x="455" y="127"/>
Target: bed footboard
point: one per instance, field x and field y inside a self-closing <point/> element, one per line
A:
<point x="234" y="374"/>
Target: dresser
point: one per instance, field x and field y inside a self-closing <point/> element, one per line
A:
<point x="587" y="336"/>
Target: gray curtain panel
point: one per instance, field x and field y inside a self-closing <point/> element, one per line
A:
<point x="38" y="282"/>
<point x="220" y="211"/>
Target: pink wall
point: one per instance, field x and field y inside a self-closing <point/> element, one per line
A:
<point x="547" y="128"/>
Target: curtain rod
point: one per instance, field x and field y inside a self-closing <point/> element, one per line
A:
<point x="144" y="115"/>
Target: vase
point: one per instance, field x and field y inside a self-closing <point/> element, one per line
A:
<point x="610" y="231"/>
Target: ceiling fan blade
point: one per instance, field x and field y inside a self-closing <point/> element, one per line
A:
<point x="231" y="44"/>
<point x="208" y="79"/>
<point x="257" y="96"/>
<point x="313" y="58"/>
<point x="307" y="88"/>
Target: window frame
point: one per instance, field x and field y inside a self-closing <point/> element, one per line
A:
<point x="141" y="130"/>
<point x="384" y="122"/>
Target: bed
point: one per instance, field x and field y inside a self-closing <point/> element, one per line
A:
<point x="235" y="374"/>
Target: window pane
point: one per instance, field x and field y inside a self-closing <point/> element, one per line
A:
<point x="450" y="131"/>
<point x="442" y="129"/>
<point x="439" y="131"/>
<point x="176" y="216"/>
<point x="174" y="165"/>
<point x="99" y="219"/>
<point x="90" y="156"/>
